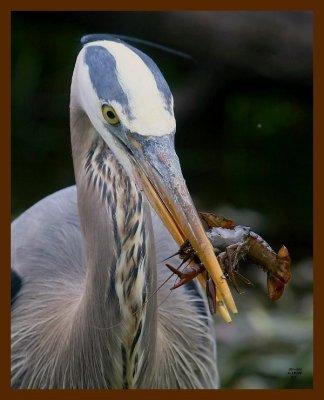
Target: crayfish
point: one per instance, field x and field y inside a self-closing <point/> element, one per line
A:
<point x="232" y="244"/>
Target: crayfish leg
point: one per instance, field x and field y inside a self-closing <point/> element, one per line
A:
<point x="211" y="295"/>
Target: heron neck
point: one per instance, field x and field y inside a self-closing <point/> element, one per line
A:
<point x="120" y="257"/>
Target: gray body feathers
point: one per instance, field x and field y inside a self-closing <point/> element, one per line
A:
<point x="52" y="347"/>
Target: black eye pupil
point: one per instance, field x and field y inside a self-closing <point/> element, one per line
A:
<point x="110" y="114"/>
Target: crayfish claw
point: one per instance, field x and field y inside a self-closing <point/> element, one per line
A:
<point x="180" y="283"/>
<point x="174" y="270"/>
<point x="283" y="253"/>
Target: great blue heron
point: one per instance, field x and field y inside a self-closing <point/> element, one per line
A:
<point x="87" y="260"/>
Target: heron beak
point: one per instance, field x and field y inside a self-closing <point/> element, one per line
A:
<point x="162" y="181"/>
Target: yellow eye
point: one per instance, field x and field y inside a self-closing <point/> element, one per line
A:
<point x="109" y="114"/>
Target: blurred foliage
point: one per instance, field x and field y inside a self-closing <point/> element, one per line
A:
<point x="244" y="137"/>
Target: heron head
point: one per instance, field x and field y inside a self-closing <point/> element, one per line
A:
<point x="130" y="105"/>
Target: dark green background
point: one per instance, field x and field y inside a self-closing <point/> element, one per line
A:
<point x="244" y="138"/>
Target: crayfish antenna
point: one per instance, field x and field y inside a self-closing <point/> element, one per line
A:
<point x="168" y="258"/>
<point x="184" y="260"/>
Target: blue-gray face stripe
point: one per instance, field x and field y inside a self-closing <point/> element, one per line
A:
<point x="103" y="75"/>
